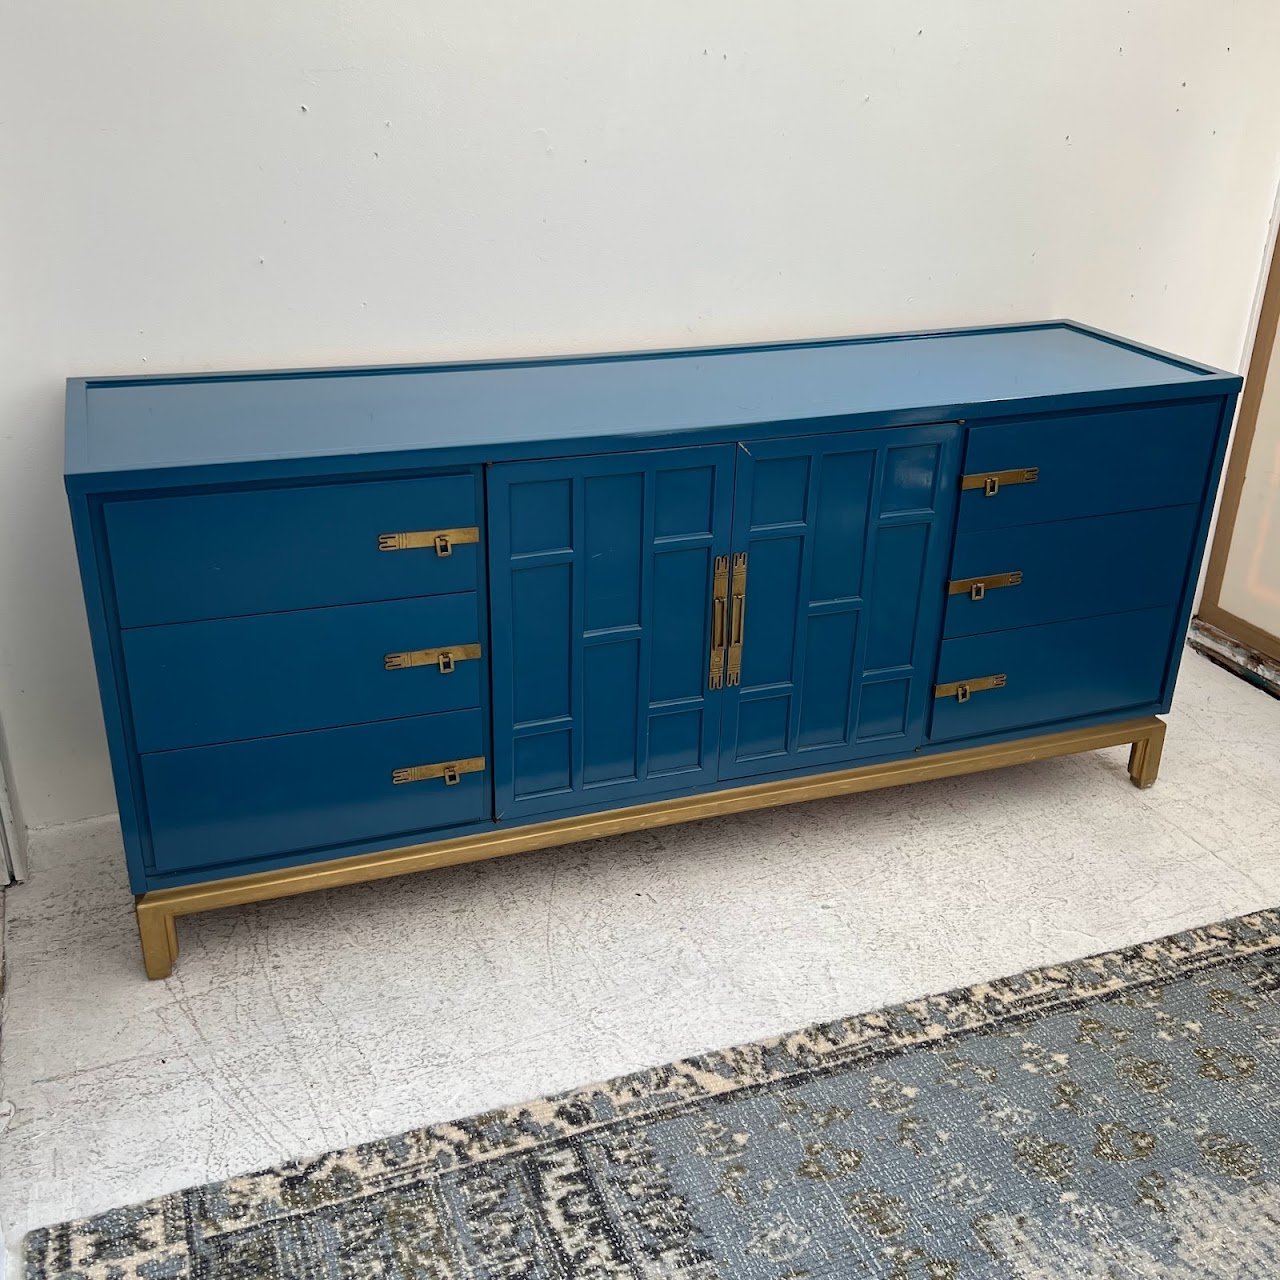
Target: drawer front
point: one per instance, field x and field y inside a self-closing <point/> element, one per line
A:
<point x="1068" y="569"/>
<point x="221" y="555"/>
<point x="197" y="683"/>
<point x="231" y="804"/>
<point x="1088" y="464"/>
<point x="1056" y="672"/>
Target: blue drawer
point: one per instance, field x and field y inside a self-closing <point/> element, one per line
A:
<point x="197" y="683"/>
<point x="1088" y="464"/>
<point x="220" y="555"/>
<point x="229" y="805"/>
<point x="1056" y="672"/>
<point x="1069" y="569"/>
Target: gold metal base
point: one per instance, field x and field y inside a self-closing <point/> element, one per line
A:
<point x="1144" y="757"/>
<point x="158" y="910"/>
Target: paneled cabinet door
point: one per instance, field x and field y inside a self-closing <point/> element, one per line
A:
<point x="602" y="575"/>
<point x="837" y="606"/>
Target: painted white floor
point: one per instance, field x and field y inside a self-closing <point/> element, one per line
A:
<point x="294" y="1027"/>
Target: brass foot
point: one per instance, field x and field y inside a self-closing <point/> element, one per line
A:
<point x="1144" y="757"/>
<point x="159" y="936"/>
<point x="158" y="909"/>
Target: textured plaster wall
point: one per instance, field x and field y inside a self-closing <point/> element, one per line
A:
<point x="187" y="187"/>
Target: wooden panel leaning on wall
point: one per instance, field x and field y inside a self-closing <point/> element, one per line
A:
<point x="1238" y="624"/>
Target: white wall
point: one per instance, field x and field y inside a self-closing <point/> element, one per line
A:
<point x="193" y="186"/>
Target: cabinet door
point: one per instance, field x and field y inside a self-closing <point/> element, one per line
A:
<point x="601" y="628"/>
<point x="845" y="540"/>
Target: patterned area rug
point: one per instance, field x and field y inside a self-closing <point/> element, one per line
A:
<point x="1114" y="1117"/>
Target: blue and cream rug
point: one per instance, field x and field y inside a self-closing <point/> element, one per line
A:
<point x="1113" y="1117"/>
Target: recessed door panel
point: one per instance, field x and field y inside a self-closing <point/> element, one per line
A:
<point x="613" y="536"/>
<point x="602" y="626"/>
<point x="678" y="668"/>
<point x="540" y="608"/>
<point x="845" y="548"/>
<point x="610" y="745"/>
<point x="769" y="633"/>
<point x="898" y="571"/>
<point x="831" y="641"/>
<point x="841" y="526"/>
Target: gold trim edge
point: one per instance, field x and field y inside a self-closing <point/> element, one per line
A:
<point x="157" y="908"/>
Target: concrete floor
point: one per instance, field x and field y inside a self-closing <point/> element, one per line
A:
<point x="298" y="1026"/>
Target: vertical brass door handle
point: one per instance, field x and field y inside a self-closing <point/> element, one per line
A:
<point x="719" y="609"/>
<point x="737" y="626"/>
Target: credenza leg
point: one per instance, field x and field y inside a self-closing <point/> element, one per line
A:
<point x="158" y="910"/>
<point x="1144" y="757"/>
<point x="159" y="935"/>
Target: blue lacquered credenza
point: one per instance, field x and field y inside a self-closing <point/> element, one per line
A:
<point x="354" y="623"/>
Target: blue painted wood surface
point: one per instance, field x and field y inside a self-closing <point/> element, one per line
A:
<point x="227" y="528"/>
<point x="511" y="409"/>
<point x="1055" y="672"/>
<point x="1091" y="464"/>
<point x="221" y="555"/>
<point x="197" y="683"/>
<point x="227" y="806"/>
<point x="602" y="574"/>
<point x="846" y="537"/>
<point x="1073" y="568"/>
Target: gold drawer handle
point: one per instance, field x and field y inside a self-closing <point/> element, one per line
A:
<point x="990" y="481"/>
<point x="445" y="659"/>
<point x="962" y="690"/>
<point x="719" y="611"/>
<point x="977" y="588"/>
<point x="450" y="771"/>
<point x="443" y="540"/>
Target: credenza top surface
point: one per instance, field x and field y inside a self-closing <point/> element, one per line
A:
<point x="127" y="425"/>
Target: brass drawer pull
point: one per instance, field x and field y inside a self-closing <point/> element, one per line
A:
<point x="962" y="690"/>
<point x="443" y="540"/>
<point x="719" y="620"/>
<point x="737" y="624"/>
<point x="990" y="481"/>
<point x="450" y="771"/>
<point x="976" y="588"/>
<point x="445" y="659"/>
